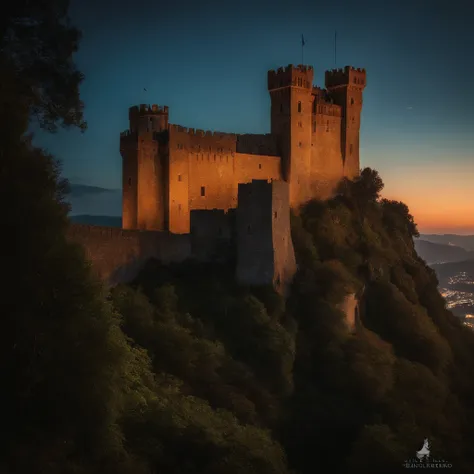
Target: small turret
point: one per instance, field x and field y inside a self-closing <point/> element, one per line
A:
<point x="345" y="86"/>
<point x="344" y="77"/>
<point x="291" y="104"/>
<point x="298" y="76"/>
<point x="146" y="118"/>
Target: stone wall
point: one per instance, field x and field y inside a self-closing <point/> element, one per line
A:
<point x="118" y="255"/>
<point x="212" y="234"/>
<point x="265" y="254"/>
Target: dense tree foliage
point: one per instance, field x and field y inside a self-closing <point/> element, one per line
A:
<point x="183" y="371"/>
<point x="39" y="77"/>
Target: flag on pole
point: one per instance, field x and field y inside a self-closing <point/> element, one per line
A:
<point x="302" y="40"/>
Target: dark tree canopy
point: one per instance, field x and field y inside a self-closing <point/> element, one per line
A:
<point x="39" y="77"/>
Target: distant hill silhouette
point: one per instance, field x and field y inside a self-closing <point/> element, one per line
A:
<point x="94" y="200"/>
<point x="78" y="190"/>
<point x="464" y="241"/>
<point x="441" y="253"/>
<point x="109" y="221"/>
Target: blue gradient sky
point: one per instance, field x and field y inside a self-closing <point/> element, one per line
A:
<point x="208" y="61"/>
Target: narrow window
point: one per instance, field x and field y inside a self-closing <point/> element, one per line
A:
<point x="352" y="100"/>
<point x="300" y="144"/>
<point x="275" y="214"/>
<point x="299" y="106"/>
<point x="300" y="124"/>
<point x="260" y="166"/>
<point x="179" y="177"/>
<point x="129" y="181"/>
<point x="179" y="207"/>
<point x="203" y="190"/>
<point x="314" y="107"/>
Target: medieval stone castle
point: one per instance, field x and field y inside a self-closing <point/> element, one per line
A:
<point x="190" y="193"/>
<point x="169" y="170"/>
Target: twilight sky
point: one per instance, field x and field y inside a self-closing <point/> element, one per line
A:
<point x="208" y="62"/>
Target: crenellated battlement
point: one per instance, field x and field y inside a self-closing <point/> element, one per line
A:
<point x="145" y="109"/>
<point x="347" y="76"/>
<point x="201" y="133"/>
<point x="291" y="67"/>
<point x="295" y="76"/>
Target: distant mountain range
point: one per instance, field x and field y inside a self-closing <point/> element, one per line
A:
<point x="94" y="200"/>
<point x="464" y="241"/>
<point x="433" y="253"/>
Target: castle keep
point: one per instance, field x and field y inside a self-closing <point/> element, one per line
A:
<point x="170" y="171"/>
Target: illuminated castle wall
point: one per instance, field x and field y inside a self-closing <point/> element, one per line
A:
<point x="169" y="170"/>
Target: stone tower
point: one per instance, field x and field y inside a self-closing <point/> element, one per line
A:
<point x="144" y="173"/>
<point x="345" y="87"/>
<point x="265" y="254"/>
<point x="291" y="112"/>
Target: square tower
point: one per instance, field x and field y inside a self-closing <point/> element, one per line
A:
<point x="291" y="116"/>
<point x="346" y="86"/>
<point x="143" y="171"/>
<point x="265" y="254"/>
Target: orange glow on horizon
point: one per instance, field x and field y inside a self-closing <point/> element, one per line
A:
<point x="440" y="197"/>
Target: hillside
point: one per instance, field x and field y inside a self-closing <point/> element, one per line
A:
<point x="307" y="390"/>
<point x="441" y="253"/>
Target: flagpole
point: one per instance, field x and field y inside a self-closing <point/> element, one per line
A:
<point x="302" y="49"/>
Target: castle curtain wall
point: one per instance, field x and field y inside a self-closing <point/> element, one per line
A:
<point x="205" y="170"/>
<point x="249" y="167"/>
